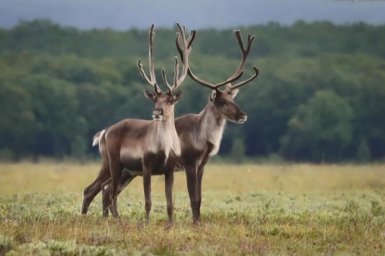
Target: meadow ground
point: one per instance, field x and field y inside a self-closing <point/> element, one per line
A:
<point x="288" y="209"/>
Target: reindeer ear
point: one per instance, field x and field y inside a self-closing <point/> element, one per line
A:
<point x="149" y="95"/>
<point x="234" y="93"/>
<point x="176" y="95"/>
<point x="213" y="95"/>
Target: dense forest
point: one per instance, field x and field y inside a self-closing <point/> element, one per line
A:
<point x="320" y="95"/>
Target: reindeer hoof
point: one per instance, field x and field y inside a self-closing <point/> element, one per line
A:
<point x="169" y="226"/>
<point x="196" y="222"/>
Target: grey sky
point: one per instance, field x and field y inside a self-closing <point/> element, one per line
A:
<point x="125" y="14"/>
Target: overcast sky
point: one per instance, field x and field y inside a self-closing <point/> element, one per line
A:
<point x="125" y="14"/>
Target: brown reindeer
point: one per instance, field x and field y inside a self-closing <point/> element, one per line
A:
<point x="145" y="146"/>
<point x="200" y="134"/>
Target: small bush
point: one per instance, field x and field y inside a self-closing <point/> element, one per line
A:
<point x="5" y="244"/>
<point x="376" y="208"/>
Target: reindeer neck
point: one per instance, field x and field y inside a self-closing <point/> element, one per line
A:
<point x="166" y="124"/>
<point x="211" y="117"/>
<point x="212" y="124"/>
<point x="165" y="136"/>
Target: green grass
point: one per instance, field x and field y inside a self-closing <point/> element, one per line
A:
<point x="246" y="210"/>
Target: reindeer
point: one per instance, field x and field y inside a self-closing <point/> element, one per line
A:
<point x="200" y="134"/>
<point x="144" y="146"/>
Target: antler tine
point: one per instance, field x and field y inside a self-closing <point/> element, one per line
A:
<point x="165" y="80"/>
<point x="177" y="43"/>
<point x="189" y="42"/>
<point x="184" y="52"/>
<point x="142" y="73"/>
<point x="240" y="41"/>
<point x="176" y="71"/>
<point x="245" y="53"/>
<point x="233" y="87"/>
<point x="151" y="65"/>
<point x="191" y="39"/>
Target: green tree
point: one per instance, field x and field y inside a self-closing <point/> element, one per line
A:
<point x="320" y="129"/>
<point x="79" y="147"/>
<point x="237" y="152"/>
<point x="363" y="151"/>
<point x="55" y="109"/>
<point x="16" y="120"/>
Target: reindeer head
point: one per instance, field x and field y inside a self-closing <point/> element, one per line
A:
<point x="223" y="100"/>
<point x="164" y="101"/>
<point x="225" y="105"/>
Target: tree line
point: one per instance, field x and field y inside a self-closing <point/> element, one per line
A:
<point x="320" y="95"/>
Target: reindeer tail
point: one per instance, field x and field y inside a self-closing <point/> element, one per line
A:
<point x="97" y="137"/>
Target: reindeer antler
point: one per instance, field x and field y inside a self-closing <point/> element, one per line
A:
<point x="238" y="72"/>
<point x="184" y="48"/>
<point x="152" y="80"/>
<point x="256" y="72"/>
<point x="184" y="52"/>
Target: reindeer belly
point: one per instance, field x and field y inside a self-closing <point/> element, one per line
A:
<point x="156" y="162"/>
<point x="133" y="165"/>
<point x="140" y="173"/>
<point x="190" y="156"/>
<point x="131" y="158"/>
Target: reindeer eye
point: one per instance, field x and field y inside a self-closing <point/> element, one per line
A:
<point x="221" y="102"/>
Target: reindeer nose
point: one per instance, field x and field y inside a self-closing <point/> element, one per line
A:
<point x="242" y="118"/>
<point x="157" y="114"/>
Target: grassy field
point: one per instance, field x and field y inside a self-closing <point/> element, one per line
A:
<point x="246" y="210"/>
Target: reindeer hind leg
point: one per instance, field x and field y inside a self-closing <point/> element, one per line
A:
<point x="116" y="171"/>
<point x="125" y="179"/>
<point x="94" y="188"/>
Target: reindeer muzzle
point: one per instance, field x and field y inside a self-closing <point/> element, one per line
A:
<point x="157" y="114"/>
<point x="242" y="118"/>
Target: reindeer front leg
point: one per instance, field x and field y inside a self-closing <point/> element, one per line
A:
<point x="201" y="168"/>
<point x="191" y="173"/>
<point x="147" y="190"/>
<point x="169" y="182"/>
<point x="199" y="190"/>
